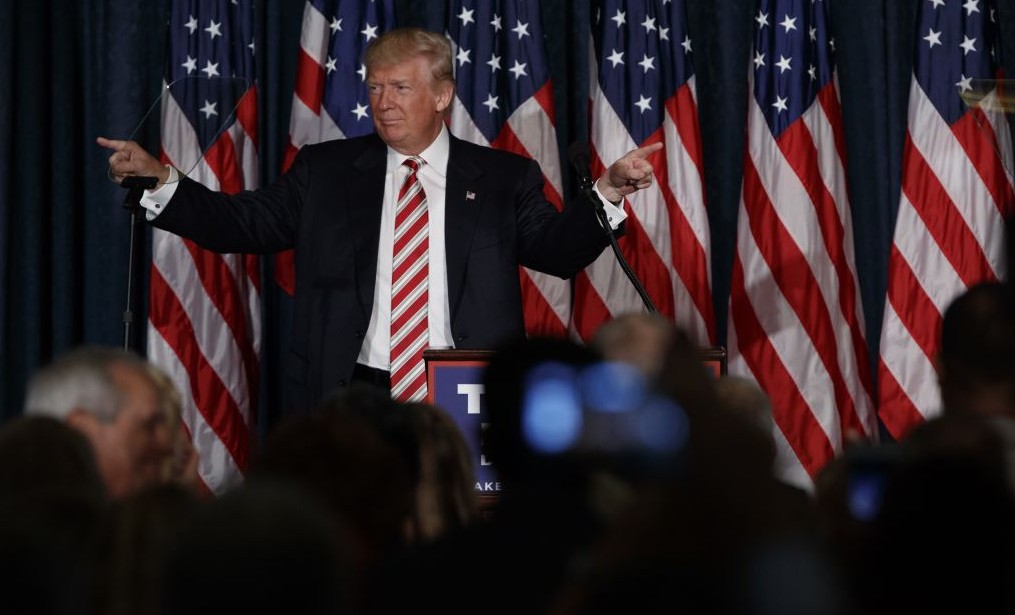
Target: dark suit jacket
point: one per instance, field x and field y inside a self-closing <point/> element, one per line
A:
<point x="328" y="207"/>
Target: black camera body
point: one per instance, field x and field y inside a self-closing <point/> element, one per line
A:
<point x="604" y="414"/>
<point x="869" y="468"/>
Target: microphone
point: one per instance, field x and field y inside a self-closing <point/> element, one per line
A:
<point x="578" y="154"/>
<point x="139" y="181"/>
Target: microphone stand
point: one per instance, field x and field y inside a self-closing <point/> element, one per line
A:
<point x="136" y="185"/>
<point x="585" y="183"/>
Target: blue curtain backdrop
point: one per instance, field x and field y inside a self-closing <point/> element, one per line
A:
<point x="74" y="69"/>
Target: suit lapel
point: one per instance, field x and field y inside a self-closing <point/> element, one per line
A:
<point x="464" y="200"/>
<point x="365" y="197"/>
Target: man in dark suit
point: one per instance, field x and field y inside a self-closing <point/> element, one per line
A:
<point x="483" y="213"/>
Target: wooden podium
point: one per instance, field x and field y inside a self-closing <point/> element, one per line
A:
<point x="455" y="384"/>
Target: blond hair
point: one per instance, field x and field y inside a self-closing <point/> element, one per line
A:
<point x="404" y="44"/>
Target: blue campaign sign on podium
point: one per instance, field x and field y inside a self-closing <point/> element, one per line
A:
<point x="455" y="384"/>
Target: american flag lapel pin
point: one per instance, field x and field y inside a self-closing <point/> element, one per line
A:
<point x="470" y="195"/>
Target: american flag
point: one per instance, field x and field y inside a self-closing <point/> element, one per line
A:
<point x="204" y="319"/>
<point x="642" y="91"/>
<point x="330" y="99"/>
<point x="505" y="100"/>
<point x="956" y="191"/>
<point x="796" y="323"/>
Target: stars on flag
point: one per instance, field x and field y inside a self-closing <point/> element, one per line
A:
<point x="641" y="30"/>
<point x="209" y="109"/>
<point x="214" y="29"/>
<point x="499" y="59"/>
<point x="965" y="84"/>
<point x="491" y="103"/>
<point x="782" y="90"/>
<point x="643" y="103"/>
<point x="957" y="49"/>
<point x="518" y="70"/>
<point x="968" y="44"/>
<point x="211" y="69"/>
<point x="521" y="29"/>
<point x="347" y="29"/>
<point x="213" y="55"/>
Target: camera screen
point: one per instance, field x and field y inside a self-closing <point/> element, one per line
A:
<point x="864" y="493"/>
<point x="606" y="409"/>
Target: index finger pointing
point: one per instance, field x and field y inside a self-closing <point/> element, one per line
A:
<point x="112" y="144"/>
<point x="643" y="152"/>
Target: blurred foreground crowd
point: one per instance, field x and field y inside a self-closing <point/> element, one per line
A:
<point x="369" y="506"/>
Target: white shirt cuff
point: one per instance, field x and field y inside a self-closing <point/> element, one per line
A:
<point x="154" y="201"/>
<point x="614" y="215"/>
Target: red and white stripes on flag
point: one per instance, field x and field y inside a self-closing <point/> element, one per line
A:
<point x="504" y="100"/>
<point x="642" y="91"/>
<point x="956" y="191"/>
<point x="330" y="100"/>
<point x="796" y="324"/>
<point x="204" y="319"/>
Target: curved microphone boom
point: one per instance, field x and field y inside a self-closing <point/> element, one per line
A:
<point x="578" y="154"/>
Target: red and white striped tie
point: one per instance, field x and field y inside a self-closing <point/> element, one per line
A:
<point x="409" y="281"/>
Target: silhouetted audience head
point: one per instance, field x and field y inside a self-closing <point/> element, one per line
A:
<point x="745" y="398"/>
<point x="385" y="416"/>
<point x="639" y="339"/>
<point x="446" y="493"/>
<point x="261" y="549"/>
<point x="109" y="396"/>
<point x="976" y="362"/>
<point x="41" y="456"/>
<point x="51" y="498"/>
<point x="132" y="546"/>
<point x="341" y="462"/>
<point x="944" y="539"/>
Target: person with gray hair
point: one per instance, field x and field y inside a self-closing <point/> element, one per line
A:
<point x="110" y="397"/>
